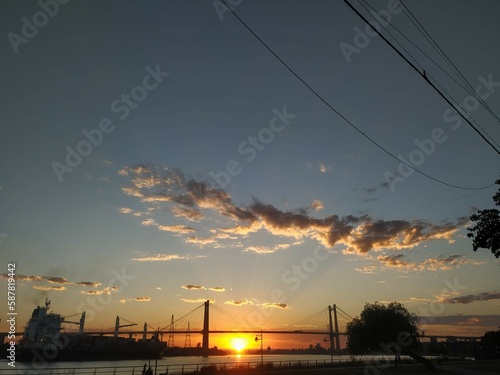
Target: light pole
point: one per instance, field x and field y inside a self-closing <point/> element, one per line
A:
<point x="257" y="338"/>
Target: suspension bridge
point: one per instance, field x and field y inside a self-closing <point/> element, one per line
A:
<point x="208" y="319"/>
<point x="215" y="320"/>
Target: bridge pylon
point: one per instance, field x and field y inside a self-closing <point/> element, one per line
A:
<point x="334" y="345"/>
<point x="205" y="341"/>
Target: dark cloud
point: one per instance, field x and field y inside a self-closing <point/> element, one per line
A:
<point x="431" y="264"/>
<point x="275" y="305"/>
<point x="193" y="287"/>
<point x="359" y="234"/>
<point x="470" y="298"/>
<point x="463" y="320"/>
<point x="142" y="299"/>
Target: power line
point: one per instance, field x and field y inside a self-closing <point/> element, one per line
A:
<point x="454" y="104"/>
<point x="436" y="46"/>
<point x="470" y="90"/>
<point x="423" y="74"/>
<point x="342" y="116"/>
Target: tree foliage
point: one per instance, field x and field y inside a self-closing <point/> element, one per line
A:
<point x="379" y="326"/>
<point x="490" y="341"/>
<point x="486" y="231"/>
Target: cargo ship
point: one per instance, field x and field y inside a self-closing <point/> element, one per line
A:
<point x="44" y="339"/>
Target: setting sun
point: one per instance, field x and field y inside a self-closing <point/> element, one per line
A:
<point x="238" y="344"/>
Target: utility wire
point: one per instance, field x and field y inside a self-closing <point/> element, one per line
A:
<point x="455" y="104"/>
<point x="423" y="74"/>
<point x="470" y="90"/>
<point x="436" y="46"/>
<point x="342" y="116"/>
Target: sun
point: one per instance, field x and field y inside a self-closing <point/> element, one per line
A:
<point x="238" y="344"/>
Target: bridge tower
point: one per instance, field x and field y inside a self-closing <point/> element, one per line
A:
<point x="187" y="342"/>
<point x="205" y="329"/>
<point x="171" y="333"/>
<point x="334" y="345"/>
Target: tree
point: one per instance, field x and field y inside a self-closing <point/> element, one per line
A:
<point x="486" y="231"/>
<point x="380" y="325"/>
<point x="390" y="329"/>
<point x="490" y="344"/>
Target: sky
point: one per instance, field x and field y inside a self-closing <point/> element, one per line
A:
<point x="157" y="155"/>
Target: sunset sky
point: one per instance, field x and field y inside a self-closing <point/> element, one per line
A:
<point x="157" y="155"/>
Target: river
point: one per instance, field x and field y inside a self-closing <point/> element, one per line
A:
<point x="174" y="365"/>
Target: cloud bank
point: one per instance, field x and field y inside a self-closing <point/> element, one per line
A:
<point x="192" y="199"/>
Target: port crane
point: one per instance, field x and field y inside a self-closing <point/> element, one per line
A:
<point x="80" y="324"/>
<point x="118" y="326"/>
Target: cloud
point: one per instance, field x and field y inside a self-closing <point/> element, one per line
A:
<point x="200" y="241"/>
<point x="193" y="287"/>
<point x="394" y="261"/>
<point x="432" y="264"/>
<point x="58" y="288"/>
<point x="269" y="249"/>
<point x="275" y="305"/>
<point x="125" y="210"/>
<point x="358" y="234"/>
<point x="367" y="269"/>
<point x="20" y="277"/>
<point x="90" y="284"/>
<point x="317" y="205"/>
<point x="323" y="168"/>
<point x="462" y="320"/>
<point x="142" y="299"/>
<point x="470" y="298"/>
<point x="447" y="263"/>
<point x="217" y="289"/>
<point x="239" y="302"/>
<point x="149" y="222"/>
<point x="122" y="301"/>
<point x="161" y="258"/>
<point x="95" y="292"/>
<point x="106" y="290"/>
<point x="187" y="213"/>
<point x="52" y="279"/>
<point x="179" y="229"/>
<point x="56" y="280"/>
<point x="197" y="300"/>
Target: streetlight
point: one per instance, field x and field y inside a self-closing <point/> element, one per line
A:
<point x="257" y="338"/>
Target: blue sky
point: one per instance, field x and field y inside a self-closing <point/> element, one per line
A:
<point x="311" y="192"/>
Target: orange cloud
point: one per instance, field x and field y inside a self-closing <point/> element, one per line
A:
<point x="58" y="288"/>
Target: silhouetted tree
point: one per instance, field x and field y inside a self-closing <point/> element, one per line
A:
<point x="490" y="343"/>
<point x="390" y="329"/>
<point x="379" y="324"/>
<point x="486" y="231"/>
